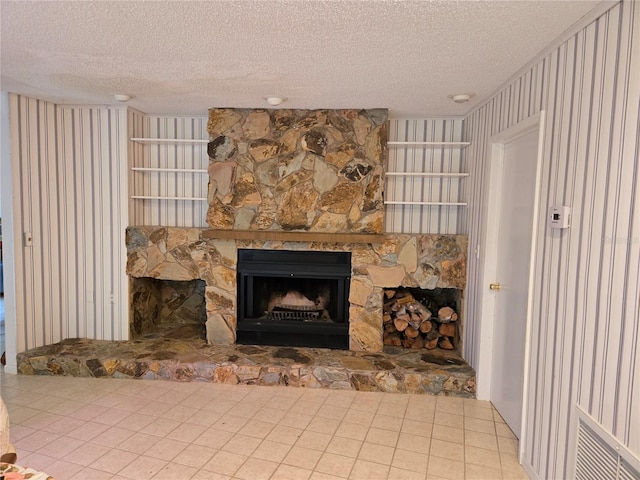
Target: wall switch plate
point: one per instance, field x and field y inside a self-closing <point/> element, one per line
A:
<point x="27" y="239"/>
<point x="559" y="217"/>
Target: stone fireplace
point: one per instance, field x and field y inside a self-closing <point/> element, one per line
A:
<point x="322" y="196"/>
<point x="304" y="181"/>
<point x="391" y="261"/>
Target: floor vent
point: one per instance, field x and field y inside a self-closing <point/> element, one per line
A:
<point x="600" y="456"/>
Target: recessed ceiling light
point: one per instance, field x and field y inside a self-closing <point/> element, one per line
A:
<point x="461" y="97"/>
<point x="121" y="97"/>
<point x="275" y="100"/>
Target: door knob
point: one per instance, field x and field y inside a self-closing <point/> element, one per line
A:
<point x="495" y="286"/>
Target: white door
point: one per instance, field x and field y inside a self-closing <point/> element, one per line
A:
<point x="515" y="214"/>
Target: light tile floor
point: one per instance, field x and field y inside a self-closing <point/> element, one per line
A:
<point x="117" y="429"/>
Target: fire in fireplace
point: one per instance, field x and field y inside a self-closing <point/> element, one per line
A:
<point x="293" y="298"/>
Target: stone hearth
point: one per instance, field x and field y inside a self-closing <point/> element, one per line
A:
<point x="154" y="356"/>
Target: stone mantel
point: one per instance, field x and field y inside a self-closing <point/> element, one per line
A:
<point x="387" y="261"/>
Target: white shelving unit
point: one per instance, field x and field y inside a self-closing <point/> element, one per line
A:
<point x="167" y="171"/>
<point x="430" y="144"/>
<point x="427" y="176"/>
<point x="154" y="197"/>
<point x="175" y="170"/>
<point x="169" y="140"/>
<point x="441" y="204"/>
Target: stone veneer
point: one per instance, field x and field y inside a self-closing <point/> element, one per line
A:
<point x="297" y="170"/>
<point x="422" y="261"/>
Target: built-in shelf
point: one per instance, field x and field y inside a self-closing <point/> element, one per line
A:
<point x="169" y="172"/>
<point x="429" y="144"/>
<point x="153" y="197"/>
<point x="174" y="170"/>
<point x="438" y="201"/>
<point x="170" y="140"/>
<point x="425" y="174"/>
<point x="442" y="204"/>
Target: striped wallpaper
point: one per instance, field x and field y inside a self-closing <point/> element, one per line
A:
<point x="585" y="335"/>
<point x="426" y="159"/>
<point x="136" y="152"/>
<point x="69" y="183"/>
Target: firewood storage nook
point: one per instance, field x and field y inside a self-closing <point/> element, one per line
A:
<point x="416" y="319"/>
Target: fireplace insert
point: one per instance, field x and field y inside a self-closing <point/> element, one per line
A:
<point x="293" y="298"/>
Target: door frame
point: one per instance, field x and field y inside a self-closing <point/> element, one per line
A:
<point x="489" y="253"/>
<point x="9" y="242"/>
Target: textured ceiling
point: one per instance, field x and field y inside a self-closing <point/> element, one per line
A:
<point x="185" y="57"/>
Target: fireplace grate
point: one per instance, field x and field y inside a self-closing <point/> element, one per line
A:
<point x="298" y="315"/>
<point x="303" y="313"/>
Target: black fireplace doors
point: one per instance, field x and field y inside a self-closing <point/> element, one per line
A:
<point x="293" y="298"/>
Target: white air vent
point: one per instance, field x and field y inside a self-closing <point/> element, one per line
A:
<point x="600" y="456"/>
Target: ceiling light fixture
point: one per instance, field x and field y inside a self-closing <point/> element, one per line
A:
<point x="121" y="97"/>
<point x="461" y="97"/>
<point x="275" y="101"/>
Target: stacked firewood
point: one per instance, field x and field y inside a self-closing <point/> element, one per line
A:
<point x="410" y="324"/>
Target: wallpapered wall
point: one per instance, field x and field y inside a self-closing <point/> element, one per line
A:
<point x="585" y="342"/>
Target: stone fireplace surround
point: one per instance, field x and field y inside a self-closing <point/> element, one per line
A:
<point x="297" y="180"/>
<point x="378" y="262"/>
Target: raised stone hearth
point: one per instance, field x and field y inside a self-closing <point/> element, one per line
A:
<point x="423" y="261"/>
<point x="190" y="359"/>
